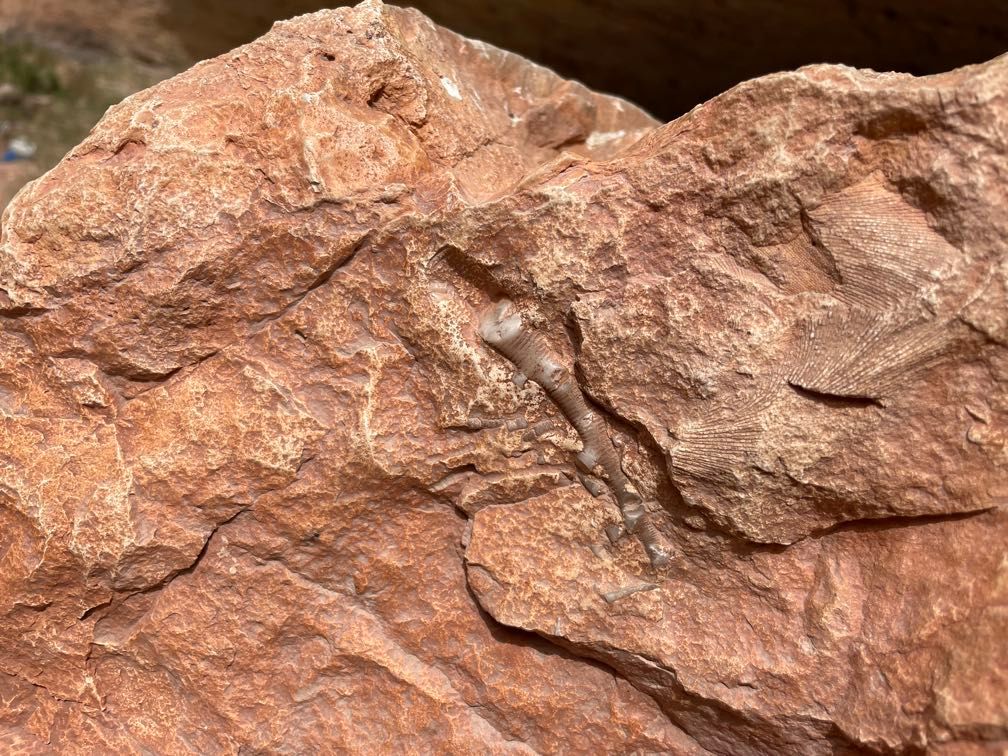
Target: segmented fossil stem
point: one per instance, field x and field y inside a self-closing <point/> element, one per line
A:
<point x="652" y="540"/>
<point x="502" y="328"/>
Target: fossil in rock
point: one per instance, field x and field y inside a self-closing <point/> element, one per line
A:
<point x="503" y="329"/>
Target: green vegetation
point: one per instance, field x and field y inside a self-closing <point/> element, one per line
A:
<point x="30" y="68"/>
<point x="59" y="94"/>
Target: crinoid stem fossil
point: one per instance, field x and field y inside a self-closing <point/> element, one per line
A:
<point x="503" y="329"/>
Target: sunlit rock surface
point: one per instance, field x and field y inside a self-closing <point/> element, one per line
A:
<point x="264" y="486"/>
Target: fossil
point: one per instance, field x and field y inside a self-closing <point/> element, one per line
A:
<point x="502" y="328"/>
<point x="852" y="352"/>
<point x="886" y="318"/>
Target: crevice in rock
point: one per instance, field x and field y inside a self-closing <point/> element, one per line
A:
<point x="481" y="710"/>
<point x="691" y="688"/>
<point x="986" y="336"/>
<point x="90" y="611"/>
<point x="527" y="638"/>
<point x="321" y="280"/>
<point x="453" y="475"/>
<point x="668" y="494"/>
<point x="835" y="401"/>
<point x="505" y="329"/>
<point x="21" y="311"/>
<point x="738" y="545"/>
<point x="473" y="281"/>
<point x="191" y="568"/>
<point x="542" y="644"/>
<point x="45" y="689"/>
<point x="376" y="95"/>
<point x="130" y="373"/>
<point x="155" y="378"/>
<point x="403" y="341"/>
<point x="714" y="724"/>
<point x="874" y="525"/>
<point x="668" y="694"/>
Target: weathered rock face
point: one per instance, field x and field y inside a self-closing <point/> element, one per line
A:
<point x="263" y="483"/>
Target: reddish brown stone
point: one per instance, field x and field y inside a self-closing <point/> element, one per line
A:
<point x="264" y="486"/>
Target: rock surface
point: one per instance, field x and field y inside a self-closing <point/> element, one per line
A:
<point x="263" y="485"/>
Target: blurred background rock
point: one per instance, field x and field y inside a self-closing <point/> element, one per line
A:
<point x="63" y="62"/>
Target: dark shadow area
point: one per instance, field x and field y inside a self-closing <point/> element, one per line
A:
<point x="666" y="55"/>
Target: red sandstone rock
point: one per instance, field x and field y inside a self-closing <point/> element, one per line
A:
<point x="263" y="484"/>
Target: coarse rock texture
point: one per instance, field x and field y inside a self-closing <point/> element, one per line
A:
<point x="264" y="486"/>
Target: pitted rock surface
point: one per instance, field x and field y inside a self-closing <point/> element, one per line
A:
<point x="263" y="486"/>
